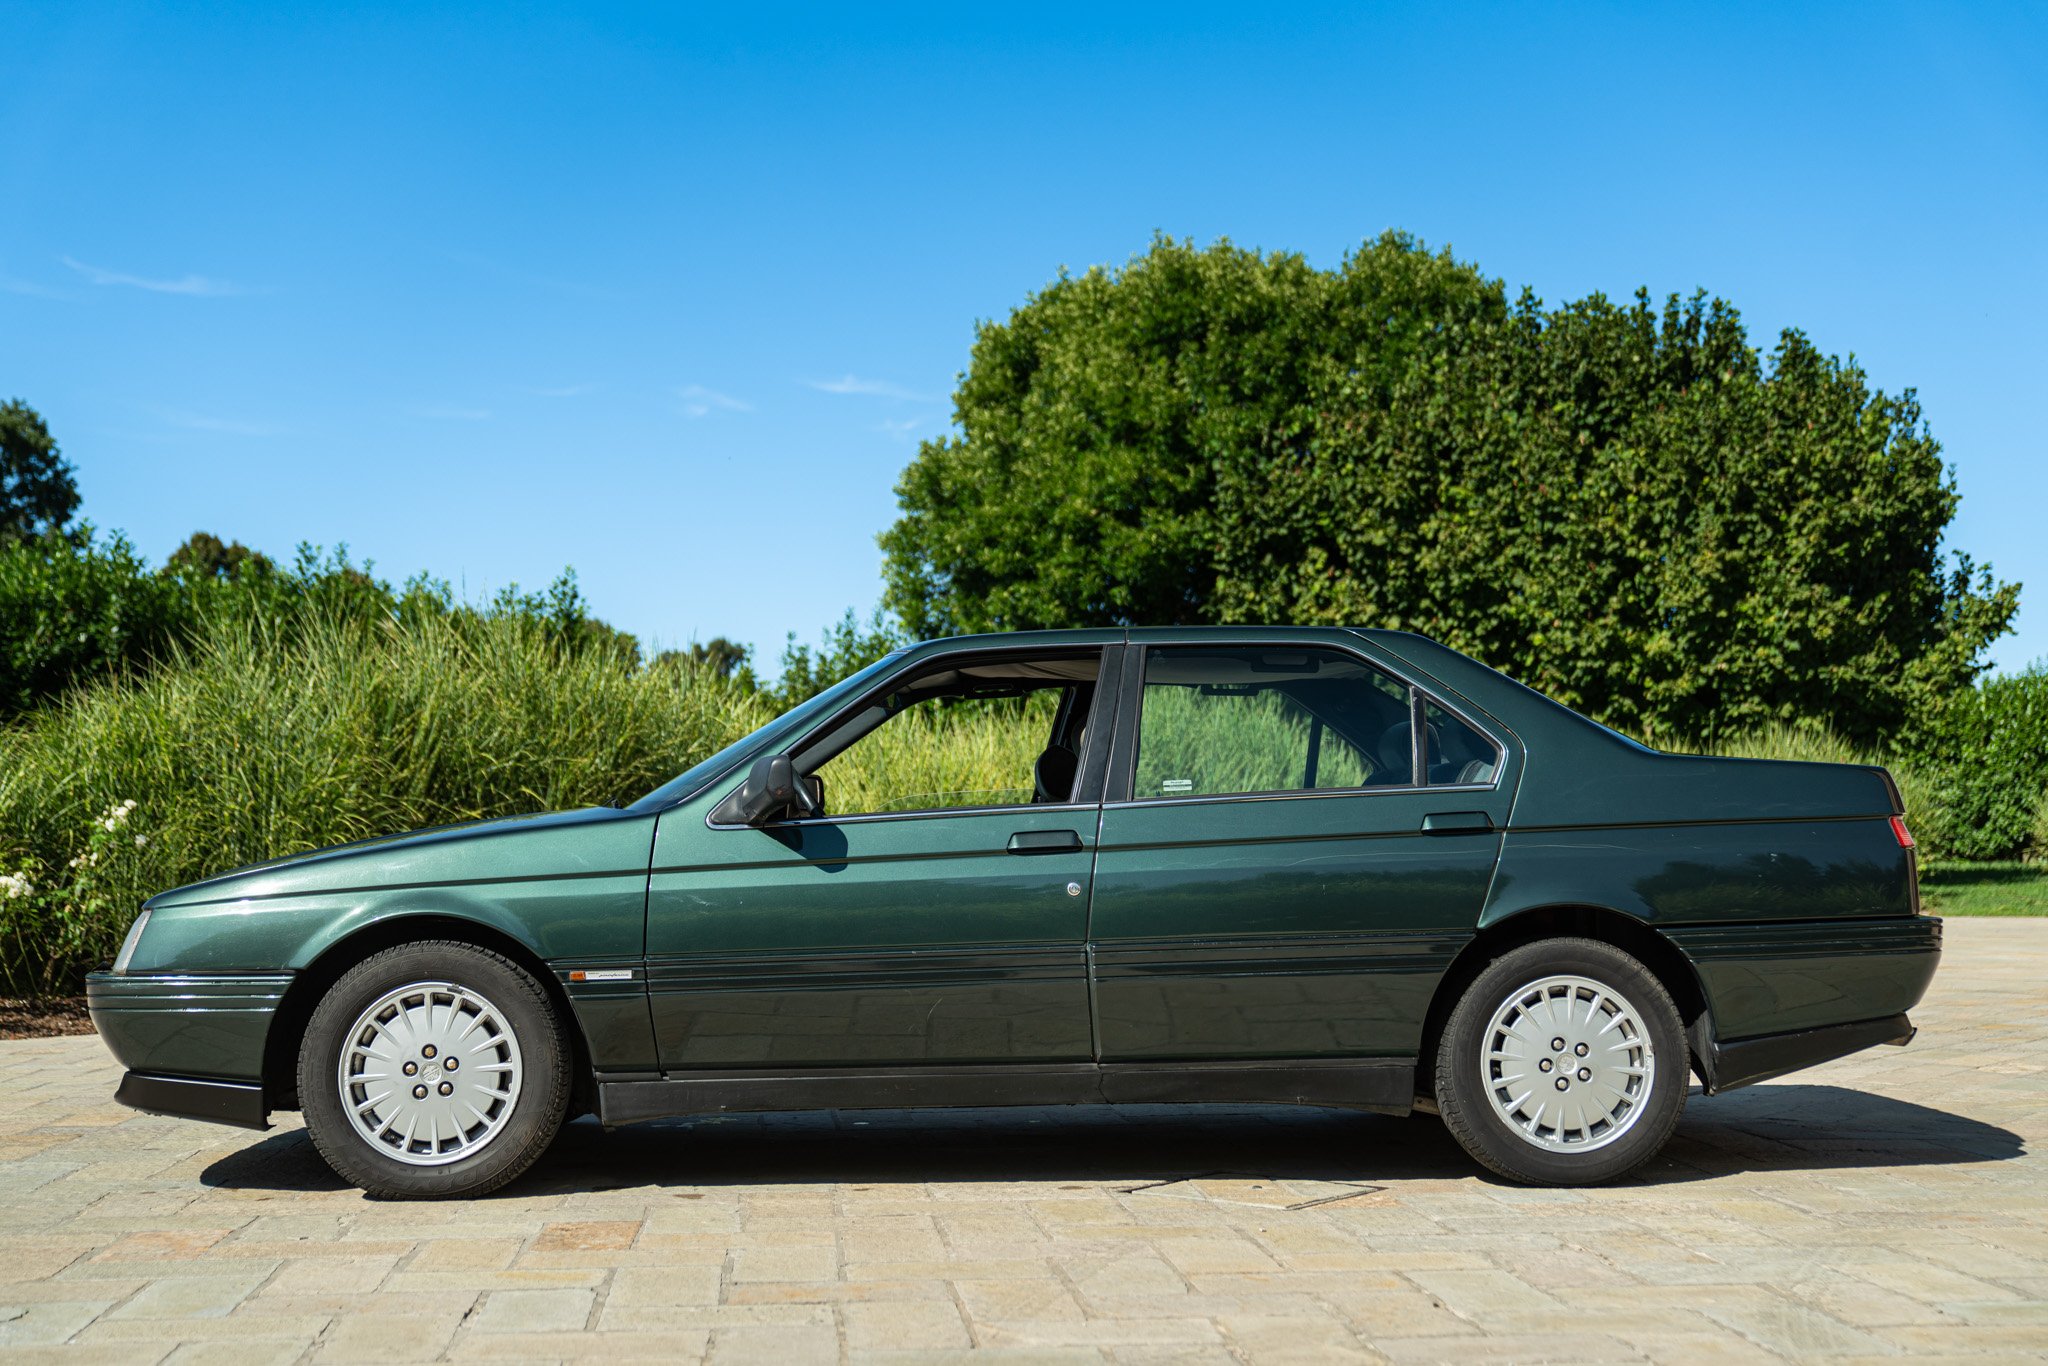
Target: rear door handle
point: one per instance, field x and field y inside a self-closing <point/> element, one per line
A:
<point x="1045" y="842"/>
<point x="1457" y="823"/>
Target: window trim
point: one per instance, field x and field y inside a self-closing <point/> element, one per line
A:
<point x="1120" y="791"/>
<point x="1108" y="687"/>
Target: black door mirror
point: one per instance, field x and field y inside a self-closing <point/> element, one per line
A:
<point x="772" y="789"/>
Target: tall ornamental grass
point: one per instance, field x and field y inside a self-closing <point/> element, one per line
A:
<point x="261" y="739"/>
<point x="980" y="753"/>
<point x="1195" y="743"/>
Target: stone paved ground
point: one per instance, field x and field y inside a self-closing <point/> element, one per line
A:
<point x="1891" y="1204"/>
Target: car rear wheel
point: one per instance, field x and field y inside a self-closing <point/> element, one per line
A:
<point x="1563" y="1064"/>
<point x="434" y="1069"/>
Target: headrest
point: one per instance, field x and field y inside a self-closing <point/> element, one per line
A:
<point x="1054" y="773"/>
<point x="1395" y="750"/>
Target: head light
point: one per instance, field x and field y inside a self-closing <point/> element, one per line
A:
<point x="128" y="944"/>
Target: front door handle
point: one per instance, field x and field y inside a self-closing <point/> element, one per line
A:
<point x="1045" y="842"/>
<point x="1457" y="823"/>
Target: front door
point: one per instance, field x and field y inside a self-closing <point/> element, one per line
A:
<point x="936" y="912"/>
<point x="1266" y="886"/>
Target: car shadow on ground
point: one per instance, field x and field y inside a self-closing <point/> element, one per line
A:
<point x="1765" y="1128"/>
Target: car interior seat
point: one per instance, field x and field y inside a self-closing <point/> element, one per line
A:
<point x="1053" y="775"/>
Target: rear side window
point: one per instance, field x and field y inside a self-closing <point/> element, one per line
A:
<point x="1457" y="753"/>
<point x="1252" y="719"/>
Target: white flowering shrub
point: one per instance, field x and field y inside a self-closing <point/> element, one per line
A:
<point x="51" y="921"/>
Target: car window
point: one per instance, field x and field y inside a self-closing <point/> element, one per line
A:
<point x="1457" y="752"/>
<point x="1256" y="719"/>
<point x="1007" y="732"/>
<point x="694" y="777"/>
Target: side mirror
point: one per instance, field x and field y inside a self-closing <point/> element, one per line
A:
<point x="771" y="788"/>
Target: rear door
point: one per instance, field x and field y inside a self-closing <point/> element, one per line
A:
<point x="1288" y="861"/>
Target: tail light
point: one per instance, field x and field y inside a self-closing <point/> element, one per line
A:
<point x="1901" y="833"/>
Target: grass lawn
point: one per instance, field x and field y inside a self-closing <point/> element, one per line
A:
<point x="1986" y="889"/>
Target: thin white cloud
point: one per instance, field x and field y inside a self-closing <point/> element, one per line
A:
<point x="699" y="401"/>
<point x="453" y="412"/>
<point x="224" y="426"/>
<point x="868" y="388"/>
<point x="13" y="284"/>
<point x="196" y="285"/>
<point x="891" y="427"/>
<point x="565" y="390"/>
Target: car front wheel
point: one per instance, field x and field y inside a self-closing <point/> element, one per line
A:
<point x="433" y="1069"/>
<point x="1563" y="1064"/>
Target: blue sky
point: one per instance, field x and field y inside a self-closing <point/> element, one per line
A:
<point x="671" y="298"/>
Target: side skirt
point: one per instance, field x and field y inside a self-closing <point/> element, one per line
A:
<point x="1383" y="1086"/>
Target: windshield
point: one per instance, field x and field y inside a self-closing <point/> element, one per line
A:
<point x="790" y="722"/>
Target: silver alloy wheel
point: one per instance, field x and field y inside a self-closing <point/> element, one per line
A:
<point x="429" y="1073"/>
<point x="1568" y="1064"/>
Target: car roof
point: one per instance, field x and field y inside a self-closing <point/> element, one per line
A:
<point x="1117" y="635"/>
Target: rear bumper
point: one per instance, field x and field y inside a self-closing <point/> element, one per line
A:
<point x="1725" y="1066"/>
<point x="1766" y="979"/>
<point x="220" y="1102"/>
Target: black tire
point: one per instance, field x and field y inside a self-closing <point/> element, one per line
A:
<point x="534" y="1116"/>
<point x="1463" y="1093"/>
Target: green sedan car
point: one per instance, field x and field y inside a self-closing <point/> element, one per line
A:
<point x="1230" y="865"/>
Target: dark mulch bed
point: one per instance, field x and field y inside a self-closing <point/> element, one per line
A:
<point x="44" y="1019"/>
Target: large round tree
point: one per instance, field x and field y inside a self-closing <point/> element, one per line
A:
<point x="1627" y="507"/>
<point x="38" y="490"/>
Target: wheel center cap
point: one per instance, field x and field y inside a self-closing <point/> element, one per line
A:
<point x="431" y="1071"/>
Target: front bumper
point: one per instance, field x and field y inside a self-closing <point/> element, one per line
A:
<point x="183" y="1036"/>
<point x="239" y="1103"/>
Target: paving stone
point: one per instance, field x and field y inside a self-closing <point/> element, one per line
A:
<point x="241" y="1353"/>
<point x="611" y="1347"/>
<point x="534" y="1311"/>
<point x="915" y="1325"/>
<point x="1040" y="1300"/>
<point x="774" y="1344"/>
<point x="784" y="1264"/>
<point x="302" y="1328"/>
<point x="587" y="1237"/>
<point x="464" y="1254"/>
<point x="1478" y="1295"/>
<point x="185" y="1297"/>
<point x="46" y="1322"/>
<point x="373" y="1337"/>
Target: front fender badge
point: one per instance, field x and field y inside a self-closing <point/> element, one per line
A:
<point x="601" y="975"/>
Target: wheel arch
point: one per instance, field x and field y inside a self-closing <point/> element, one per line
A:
<point x="295" y="1011"/>
<point x="1640" y="940"/>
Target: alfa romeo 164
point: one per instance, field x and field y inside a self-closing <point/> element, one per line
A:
<point x="1231" y="865"/>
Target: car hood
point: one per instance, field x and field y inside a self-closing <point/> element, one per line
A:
<point x="547" y="843"/>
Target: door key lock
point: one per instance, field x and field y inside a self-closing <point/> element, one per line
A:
<point x="1073" y="889"/>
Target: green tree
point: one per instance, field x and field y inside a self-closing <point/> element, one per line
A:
<point x="847" y="647"/>
<point x="205" y="556"/>
<point x="74" y="608"/>
<point x="1625" y="506"/>
<point x="725" y="658"/>
<point x="1987" y="755"/>
<point x="1095" y="423"/>
<point x="38" y="492"/>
